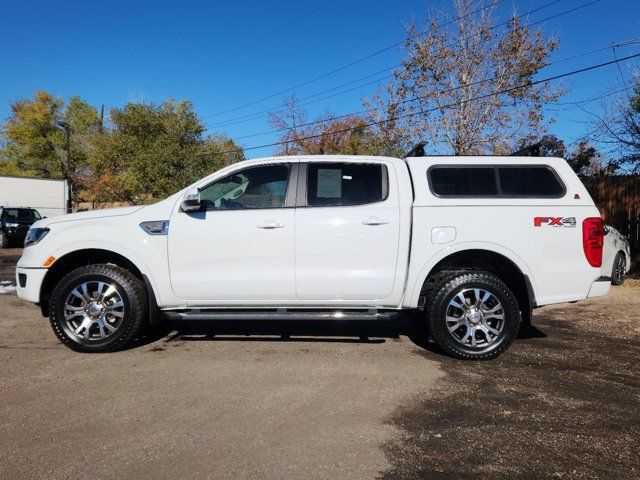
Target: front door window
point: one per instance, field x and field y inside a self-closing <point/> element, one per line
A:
<point x="258" y="187"/>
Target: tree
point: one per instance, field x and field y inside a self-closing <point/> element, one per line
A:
<point x="36" y="146"/>
<point x="327" y="135"/>
<point x="619" y="128"/>
<point x="585" y="160"/>
<point x="150" y="151"/>
<point x="33" y="141"/>
<point x="466" y="86"/>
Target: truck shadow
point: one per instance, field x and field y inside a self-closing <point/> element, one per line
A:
<point x="307" y="331"/>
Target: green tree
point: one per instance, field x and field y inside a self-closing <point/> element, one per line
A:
<point x="150" y="151"/>
<point x="35" y="146"/>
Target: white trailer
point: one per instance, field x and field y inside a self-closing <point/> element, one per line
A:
<point x="50" y="197"/>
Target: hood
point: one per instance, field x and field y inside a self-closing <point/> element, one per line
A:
<point x="88" y="215"/>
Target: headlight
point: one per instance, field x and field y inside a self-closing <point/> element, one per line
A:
<point x="34" y="235"/>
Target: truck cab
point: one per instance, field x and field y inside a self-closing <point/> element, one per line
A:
<point x="474" y="243"/>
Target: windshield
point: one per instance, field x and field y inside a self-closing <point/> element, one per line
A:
<point x="20" y="214"/>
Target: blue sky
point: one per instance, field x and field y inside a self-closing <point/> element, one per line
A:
<point x="109" y="52"/>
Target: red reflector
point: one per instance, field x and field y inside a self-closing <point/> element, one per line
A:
<point x="593" y="240"/>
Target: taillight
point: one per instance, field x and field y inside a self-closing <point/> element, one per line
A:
<point x="593" y="240"/>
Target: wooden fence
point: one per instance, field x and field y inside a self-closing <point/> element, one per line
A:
<point x="618" y="199"/>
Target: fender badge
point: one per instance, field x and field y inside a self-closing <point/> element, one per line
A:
<point x="554" y="221"/>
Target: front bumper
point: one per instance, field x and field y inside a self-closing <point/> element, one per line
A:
<point x="600" y="287"/>
<point x="29" y="282"/>
<point x="15" y="234"/>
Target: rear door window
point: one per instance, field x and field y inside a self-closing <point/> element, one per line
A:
<point x="343" y="184"/>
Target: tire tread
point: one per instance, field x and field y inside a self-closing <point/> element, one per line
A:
<point x="135" y="291"/>
<point x="442" y="285"/>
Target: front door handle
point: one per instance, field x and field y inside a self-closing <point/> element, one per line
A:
<point x="270" y="224"/>
<point x="374" y="221"/>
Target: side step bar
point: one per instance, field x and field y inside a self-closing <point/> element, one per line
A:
<point x="279" y="314"/>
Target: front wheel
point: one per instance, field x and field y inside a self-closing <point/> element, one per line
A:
<point x="98" y="308"/>
<point x="4" y="241"/>
<point x="472" y="315"/>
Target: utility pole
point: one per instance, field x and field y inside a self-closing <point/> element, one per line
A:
<point x="67" y="168"/>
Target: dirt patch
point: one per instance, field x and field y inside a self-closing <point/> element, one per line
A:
<point x="564" y="403"/>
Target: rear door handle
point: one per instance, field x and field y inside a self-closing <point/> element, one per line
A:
<point x="374" y="221"/>
<point x="270" y="224"/>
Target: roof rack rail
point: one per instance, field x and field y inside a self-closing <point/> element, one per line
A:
<point x="533" y="150"/>
<point x="417" y="151"/>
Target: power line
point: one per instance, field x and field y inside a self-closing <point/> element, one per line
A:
<point x="613" y="90"/>
<point x="462" y="102"/>
<point x="245" y="48"/>
<point x="256" y="115"/>
<point x="355" y="62"/>
<point x="414" y="99"/>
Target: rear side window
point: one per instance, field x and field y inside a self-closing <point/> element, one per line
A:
<point x="510" y="181"/>
<point x="529" y="182"/>
<point x="464" y="181"/>
<point x="342" y="184"/>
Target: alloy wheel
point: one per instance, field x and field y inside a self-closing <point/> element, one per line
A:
<point x="475" y="317"/>
<point x="93" y="311"/>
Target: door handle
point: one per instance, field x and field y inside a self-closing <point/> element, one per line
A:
<point x="270" y="224"/>
<point x="374" y="221"/>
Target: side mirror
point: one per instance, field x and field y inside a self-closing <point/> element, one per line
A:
<point x="606" y="230"/>
<point x="191" y="201"/>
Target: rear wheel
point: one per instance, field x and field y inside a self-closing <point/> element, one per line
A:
<point x="619" y="269"/>
<point x="98" y="308"/>
<point x="472" y="315"/>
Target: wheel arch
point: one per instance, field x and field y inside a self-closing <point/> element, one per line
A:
<point x="78" y="257"/>
<point x="507" y="266"/>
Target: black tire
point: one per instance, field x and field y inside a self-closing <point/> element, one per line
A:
<point x="4" y="241"/>
<point x="619" y="267"/>
<point x="445" y="286"/>
<point x="131" y="292"/>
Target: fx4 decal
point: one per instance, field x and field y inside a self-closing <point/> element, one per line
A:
<point x="554" y="221"/>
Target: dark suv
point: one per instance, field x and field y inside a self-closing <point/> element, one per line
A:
<point x="14" y="223"/>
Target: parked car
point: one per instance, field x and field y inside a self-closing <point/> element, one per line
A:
<point x="616" y="256"/>
<point x="14" y="224"/>
<point x="473" y="243"/>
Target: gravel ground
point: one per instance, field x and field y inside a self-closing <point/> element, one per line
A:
<point x="323" y="400"/>
<point x="8" y="259"/>
<point x="563" y="402"/>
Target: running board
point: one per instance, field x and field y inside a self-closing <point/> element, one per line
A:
<point x="279" y="314"/>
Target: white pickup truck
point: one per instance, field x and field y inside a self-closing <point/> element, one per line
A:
<point x="475" y="243"/>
